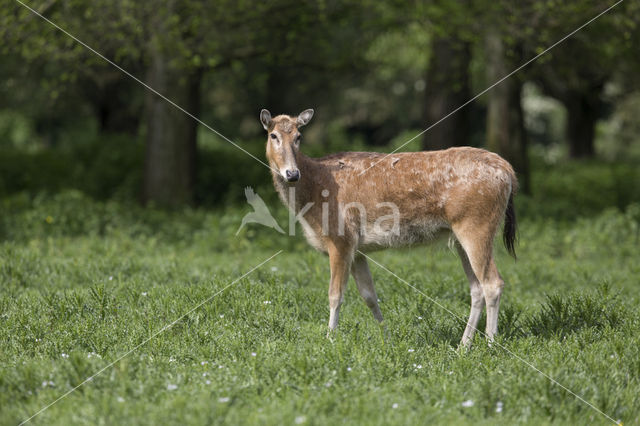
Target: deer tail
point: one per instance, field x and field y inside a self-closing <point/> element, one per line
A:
<point x="510" y="228"/>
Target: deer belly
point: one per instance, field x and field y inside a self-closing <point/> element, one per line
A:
<point x="404" y="233"/>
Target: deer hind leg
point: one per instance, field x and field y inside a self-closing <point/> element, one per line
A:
<point x="477" y="242"/>
<point x="364" y="281"/>
<point x="340" y="261"/>
<point x="492" y="288"/>
<point x="477" y="298"/>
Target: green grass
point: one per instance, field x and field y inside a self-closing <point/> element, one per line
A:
<point x="92" y="280"/>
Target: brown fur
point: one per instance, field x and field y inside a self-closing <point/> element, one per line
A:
<point x="461" y="190"/>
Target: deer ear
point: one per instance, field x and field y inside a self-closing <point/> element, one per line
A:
<point x="304" y="117"/>
<point x="265" y="119"/>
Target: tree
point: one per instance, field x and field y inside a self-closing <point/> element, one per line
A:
<point x="448" y="74"/>
<point x="65" y="75"/>
<point x="163" y="43"/>
<point x="577" y="71"/>
<point x="506" y="134"/>
<point x="187" y="39"/>
<point x="171" y="135"/>
<point x="447" y="89"/>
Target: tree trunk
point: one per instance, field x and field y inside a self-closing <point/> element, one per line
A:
<point x="506" y="134"/>
<point x="447" y="89"/>
<point x="170" y="159"/>
<point x="582" y="114"/>
<point x="116" y="107"/>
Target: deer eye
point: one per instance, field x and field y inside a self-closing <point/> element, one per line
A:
<point x="273" y="136"/>
<point x="299" y="138"/>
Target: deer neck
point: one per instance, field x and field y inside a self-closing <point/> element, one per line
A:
<point x="302" y="190"/>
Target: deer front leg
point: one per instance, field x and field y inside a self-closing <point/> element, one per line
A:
<point x="340" y="263"/>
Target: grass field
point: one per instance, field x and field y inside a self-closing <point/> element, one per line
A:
<point x="84" y="282"/>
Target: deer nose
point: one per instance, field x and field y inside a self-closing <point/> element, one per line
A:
<point x="293" y="175"/>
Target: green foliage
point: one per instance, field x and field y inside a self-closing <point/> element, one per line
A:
<point x="619" y="137"/>
<point x="400" y="142"/>
<point x="361" y="65"/>
<point x="110" y="166"/>
<point x="224" y="172"/>
<point x="16" y="131"/>
<point x="570" y="189"/>
<point x="107" y="166"/>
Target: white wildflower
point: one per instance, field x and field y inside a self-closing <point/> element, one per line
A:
<point x="172" y="387"/>
<point x="468" y="403"/>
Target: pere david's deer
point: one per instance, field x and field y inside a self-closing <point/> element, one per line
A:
<point x="346" y="207"/>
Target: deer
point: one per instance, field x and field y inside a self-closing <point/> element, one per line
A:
<point x="351" y="203"/>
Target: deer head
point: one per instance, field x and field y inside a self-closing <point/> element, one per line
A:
<point x="283" y="142"/>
